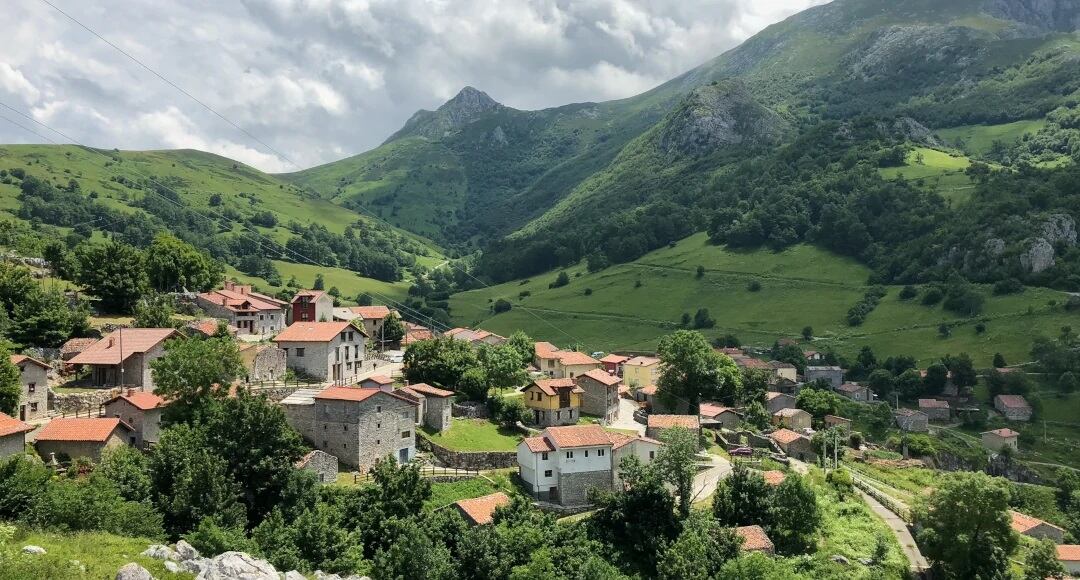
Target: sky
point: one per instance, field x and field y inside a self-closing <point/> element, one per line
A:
<point x="313" y="81"/>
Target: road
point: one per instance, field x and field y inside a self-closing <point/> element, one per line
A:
<point x="626" y="420"/>
<point x="705" y="482"/>
<point x="900" y="530"/>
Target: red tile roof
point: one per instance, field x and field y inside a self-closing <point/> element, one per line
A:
<point x="378" y="380"/>
<point x="1012" y="401"/>
<point x="851" y="387"/>
<point x="18" y="359"/>
<point x="207" y="326"/>
<point x="614" y="359"/>
<point x="357" y="394"/>
<point x="774" y="476"/>
<point x="313" y="294"/>
<point x="10" y="425"/>
<point x="578" y="435"/>
<point x="313" y="331"/>
<point x="754" y="539"/>
<point x="784" y="436"/>
<point x="378" y="312"/>
<point x="538" y="444"/>
<point x="481" y="509"/>
<point x="242" y="301"/>
<point x="545" y="349"/>
<point x="1003" y="432"/>
<point x="95" y="429"/>
<point x="667" y="421"/>
<point x="141" y="400"/>
<point x="1023" y="523"/>
<point x="601" y="376"/>
<point x="933" y="404"/>
<point x="750" y="362"/>
<point x="713" y="409"/>
<point x="129" y="341"/>
<point x="571" y="357"/>
<point x="428" y="390"/>
<point x="1068" y="553"/>
<point x="649" y="390"/>
<point x="550" y="387"/>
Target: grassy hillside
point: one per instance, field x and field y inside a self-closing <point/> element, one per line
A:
<point x="978" y="139"/>
<point x="800" y="286"/>
<point x="101" y="554"/>
<point x="349" y="283"/>
<point x="937" y="171"/>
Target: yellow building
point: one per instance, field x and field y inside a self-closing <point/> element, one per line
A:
<point x="554" y="401"/>
<point x="641" y="371"/>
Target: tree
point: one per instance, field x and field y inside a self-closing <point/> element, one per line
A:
<point x="114" y="272"/>
<point x="439" y="361"/>
<point x="502" y="366"/>
<point x="702" y="319"/>
<point x="503" y="305"/>
<point x="522" y="345"/>
<point x="965" y="526"/>
<point x="817" y="401"/>
<point x="154" y="310"/>
<point x="1042" y="562"/>
<point x="192" y="372"/>
<point x="881" y="382"/>
<point x="129" y="470"/>
<point x="757" y="566"/>
<point x="48" y="318"/>
<point x="794" y="516"/>
<point x="962" y="369"/>
<point x="742" y="499"/>
<point x="676" y="462"/>
<point x="365" y="299"/>
<point x="1068" y="382"/>
<point x="937" y="376"/>
<point x="691" y="369"/>
<point x="908" y="292"/>
<point x="392" y="329"/>
<point x="756" y="416"/>
<point x="808" y="332"/>
<point x="999" y="361"/>
<point x="173" y="265"/>
<point x="909" y="384"/>
<point x="473" y="385"/>
<point x="10" y="383"/>
<point x="699" y="552"/>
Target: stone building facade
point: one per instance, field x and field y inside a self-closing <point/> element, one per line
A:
<point x="34" y="376"/>
<point x="123" y="357"/>
<point x="435" y="405"/>
<point x="832" y="374"/>
<point x="328" y="351"/>
<point x="360" y="426"/>
<point x="935" y="409"/>
<point x="911" y="420"/>
<point x="142" y="412"/>
<point x="263" y="362"/>
<point x="12" y="436"/>
<point x="322" y="464"/>
<point x="82" y="437"/>
<point x="601" y="394"/>
<point x="249" y="312"/>
<point x="1013" y="407"/>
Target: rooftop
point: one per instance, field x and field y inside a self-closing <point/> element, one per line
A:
<point x="371" y="312"/>
<point x="824" y="368"/>
<point x="545" y="349"/>
<point x="784" y="436"/>
<point x="642" y="361"/>
<point x="649" y="390"/>
<point x="312" y="294"/>
<point x="614" y="359"/>
<point x="94" y="429"/>
<point x="754" y="538"/>
<point x="933" y="404"/>
<point x="239" y="298"/>
<point x="550" y="387"/>
<point x="572" y="357"/>
<point x="601" y="376"/>
<point x="668" y="421"/>
<point x="120" y="344"/>
<point x="356" y="394"/>
<point x="314" y="331"/>
<point x="1012" y="401"/>
<point x="140" y="400"/>
<point x="774" y="476"/>
<point x="1068" y="552"/>
<point x="10" y="425"/>
<point x="578" y="436"/>
<point x="789" y="412"/>
<point x="1023" y="522"/>
<point x="713" y="409"/>
<point x="770" y="395"/>
<point x="428" y="390"/>
<point x="1003" y="432"/>
<point x="850" y="387"/>
<point x="538" y="444"/>
<point x="481" y="509"/>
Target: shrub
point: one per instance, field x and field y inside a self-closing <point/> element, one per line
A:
<point x="700" y="272"/>
<point x="561" y="280"/>
<point x="932" y="296"/>
<point x="588" y="291"/>
<point x="524" y="294"/>
<point x="502" y="305"/>
<point x="1008" y="286"/>
<point x="702" y="319"/>
<point x="908" y="292"/>
<point x="980" y="328"/>
<point x="754" y="286"/>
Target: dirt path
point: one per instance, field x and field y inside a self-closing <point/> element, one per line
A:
<point x="899" y="529"/>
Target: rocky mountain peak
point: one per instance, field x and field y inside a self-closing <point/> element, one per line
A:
<point x="1051" y="15"/>
<point x="465" y="107"/>
<point x="470" y="101"/>
<point x="716" y="115"/>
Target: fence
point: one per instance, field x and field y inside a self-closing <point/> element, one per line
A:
<point x="427" y="472"/>
<point x="883" y="498"/>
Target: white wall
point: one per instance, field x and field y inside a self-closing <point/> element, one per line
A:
<point x="585" y="459"/>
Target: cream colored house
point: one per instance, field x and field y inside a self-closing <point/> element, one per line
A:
<point x="641" y="371"/>
<point x="999" y="439"/>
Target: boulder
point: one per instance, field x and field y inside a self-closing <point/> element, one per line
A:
<point x="1038" y="257"/>
<point x="294" y="575"/>
<point x="237" y="566"/>
<point x="172" y="567"/>
<point x="840" y="559"/>
<point x="36" y="550"/>
<point x="1059" y="228"/>
<point x="195" y="566"/>
<point x="186" y="551"/>
<point x="133" y="571"/>
<point x="994" y="247"/>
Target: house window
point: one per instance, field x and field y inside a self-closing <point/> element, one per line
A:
<point x="345" y="427"/>
<point x="544" y="456"/>
<point x="356" y="351"/>
<point x="324" y="444"/>
<point x="547" y="473"/>
<point x="378" y="425"/>
<point x="558" y="414"/>
<point x="350" y="336"/>
<point x="378" y="408"/>
<point x="600" y="452"/>
<point x="586" y="453"/>
<point x="299" y="352"/>
<point x="31" y="387"/>
<point x="261" y="317"/>
<point x="652" y="455"/>
<point x="569" y="454"/>
<point x="378" y="441"/>
<point x="33" y="407"/>
<point x="571" y="413"/>
<point x="303" y="316"/>
<point x="406" y="434"/>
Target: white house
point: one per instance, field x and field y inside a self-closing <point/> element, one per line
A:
<point x="326" y="351"/>
<point x="563" y="463"/>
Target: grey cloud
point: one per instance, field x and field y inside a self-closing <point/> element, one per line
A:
<point x="321" y="79"/>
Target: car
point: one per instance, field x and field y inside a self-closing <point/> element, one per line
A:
<point x="741" y="452"/>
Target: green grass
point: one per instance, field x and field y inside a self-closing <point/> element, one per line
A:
<point x="102" y="554"/>
<point x="801" y="286"/>
<point x="475" y="435"/>
<point x="446" y="493"/>
<point x="978" y="139"/>
<point x="936" y="171"/>
<point x="349" y="283"/>
<point x="1057" y="440"/>
<point x="909" y="482"/>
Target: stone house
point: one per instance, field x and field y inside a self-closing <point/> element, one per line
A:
<point x="12" y="436"/>
<point x="600" y="396"/>
<point x="657" y="424"/>
<point x="783" y="370"/>
<point x="754" y="539"/>
<point x="360" y="425"/>
<point x="553" y="401"/>
<point x="998" y="439"/>
<point x="544" y="358"/>
<point x="751" y="363"/>
<point x="641" y="371"/>
<point x="794" y="445"/>
<point x="613" y="363"/>
<point x="82" y="437"/>
<point x="774" y="402"/>
<point x="475" y="337"/>
<point x="935" y="409"/>
<point x="322" y="464"/>
<point x="562" y="464"/>
<point x="141" y="411"/>
<point x="74" y="346"/>
<point x="206" y="327"/>
<point x="794" y="419"/>
<point x="415" y="333"/>
<point x="326" y="351"/>
<point x="1069" y="556"/>
<point x="1026" y="525"/>
<point x="373" y="318"/>
<point x="377" y="382"/>
<point x="572" y="364"/>
<point x="262" y="362"/>
<point x="646" y="395"/>
<point x="855" y="392"/>
<point x="311" y="306"/>
<point x="836" y="421"/>
<point x="434" y="405"/>
<point x="249" y="312"/>
<point x="479" y="511"/>
<point x="833" y="375"/>
<point x="34" y="376"/>
<point x="911" y="420"/>
<point x="716" y="415"/>
<point x="1013" y="407"/>
<point x="123" y="357"/>
<point x="813" y="356"/>
<point x="299" y="409"/>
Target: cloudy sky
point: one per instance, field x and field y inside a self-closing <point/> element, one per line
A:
<point x="319" y="80"/>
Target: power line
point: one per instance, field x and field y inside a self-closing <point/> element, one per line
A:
<point x="273" y="150"/>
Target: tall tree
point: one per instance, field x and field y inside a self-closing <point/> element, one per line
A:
<point x="523" y="345"/>
<point x="700" y="551"/>
<point x="173" y="265"/>
<point x="154" y="310"/>
<point x="114" y="272"/>
<point x="692" y="370"/>
<point x="794" y="515"/>
<point x="742" y="499"/>
<point x="1042" y="562"/>
<point x="676" y="462"/>
<point x="48" y="318"/>
<point x="10" y="383"/>
<point x="439" y="361"/>
<point x="192" y="372"/>
<point x="502" y="366"/>
<point x="392" y="329"/>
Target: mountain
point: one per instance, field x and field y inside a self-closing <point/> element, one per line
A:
<point x="467" y="106"/>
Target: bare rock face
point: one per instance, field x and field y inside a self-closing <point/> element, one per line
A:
<point x="994" y="247"/>
<point x="160" y="552"/>
<point x="464" y="108"/>
<point x="892" y="51"/>
<point x="133" y="571"/>
<point x="186" y="551"/>
<point x="1059" y="228"/>
<point x="238" y="566"/>
<point x="1038" y="257"/>
<point x="717" y="115"/>
<point x="1047" y="15"/>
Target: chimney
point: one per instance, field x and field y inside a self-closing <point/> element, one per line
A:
<point x="130" y="391"/>
<point x="110" y="343"/>
<point x="387" y="388"/>
<point x="229" y="285"/>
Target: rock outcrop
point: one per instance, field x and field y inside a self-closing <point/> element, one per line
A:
<point x="133" y="571"/>
<point x="1059" y="228"/>
<point x="1046" y="15"/>
<point x="464" y="108"/>
<point x="237" y="566"/>
<point x="718" y="115"/>
<point x="1038" y="257"/>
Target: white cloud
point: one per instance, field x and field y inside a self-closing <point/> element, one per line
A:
<point x="321" y="79"/>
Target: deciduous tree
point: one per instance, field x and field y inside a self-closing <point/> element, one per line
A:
<point x="691" y="370"/>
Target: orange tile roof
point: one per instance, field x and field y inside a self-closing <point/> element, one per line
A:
<point x="10" y="425"/>
<point x="550" y="387"/>
<point x="207" y="326"/>
<point x="313" y="331"/>
<point x="235" y="301"/>
<point x="1012" y="401"/>
<point x="1022" y="523"/>
<point x="754" y="538"/>
<point x="377" y="312"/>
<point x="107" y="351"/>
<point x="642" y="361"/>
<point x="379" y="380"/>
<point x="307" y="293"/>
<point x="578" y="435"/>
<point x="545" y="349"/>
<point x="774" y="476"/>
<point x="712" y="409"/>
<point x="649" y="389"/>
<point x="601" y="376"/>
<point x="481" y="509"/>
<point x="1003" y="432"/>
<point x="614" y="359"/>
<point x="750" y="362"/>
<point x="17" y="359"/>
<point x="1068" y="553"/>
<point x="426" y="389"/>
<point x="933" y="404"/>
<point x="538" y="444"/>
<point x="96" y="429"/>
<point x="140" y="400"/>
<point x="357" y="394"/>
<point x="667" y="421"/>
<point x="572" y="357"/>
<point x="784" y="436"/>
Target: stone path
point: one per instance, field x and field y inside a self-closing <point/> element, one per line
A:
<point x="899" y="529"/>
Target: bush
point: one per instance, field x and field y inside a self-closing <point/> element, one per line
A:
<point x="502" y="305"/>
<point x="588" y="291"/>
<point x="702" y="319"/>
<point x="561" y="280"/>
<point x="841" y="481"/>
<point x="754" y="286"/>
<point x="524" y="294"/>
<point x="908" y="292"/>
<point x="700" y="272"/>
<point x="1008" y="286"/>
<point x="932" y="296"/>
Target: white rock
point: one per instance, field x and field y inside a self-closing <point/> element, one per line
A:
<point x="36" y="550"/>
<point x="160" y="552"/>
<point x="238" y="566"/>
<point x="133" y="571"/>
<point x="186" y="551"/>
<point x="320" y="575"/>
<point x="172" y="566"/>
<point x="1038" y="257"/>
<point x="195" y="566"/>
<point x="294" y="575"/>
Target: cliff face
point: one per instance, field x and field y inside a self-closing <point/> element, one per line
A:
<point x="468" y="105"/>
<point x="717" y="115"/>
<point x="1049" y="15"/>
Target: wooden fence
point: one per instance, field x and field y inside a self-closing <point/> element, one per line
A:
<point x="428" y="471"/>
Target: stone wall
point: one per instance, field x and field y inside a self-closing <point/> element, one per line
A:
<point x="275" y="394"/>
<point x="322" y="464"/>
<point x="70" y="403"/>
<point x="470" y="410"/>
<point x="468" y="459"/>
<point x="574" y="487"/>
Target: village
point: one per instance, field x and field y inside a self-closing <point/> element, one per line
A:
<point x="558" y="426"/>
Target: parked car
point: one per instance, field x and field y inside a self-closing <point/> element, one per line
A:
<point x="741" y="452"/>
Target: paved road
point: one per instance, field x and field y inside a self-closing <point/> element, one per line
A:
<point x="626" y="417"/>
<point x="900" y="530"/>
<point x="705" y="482"/>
